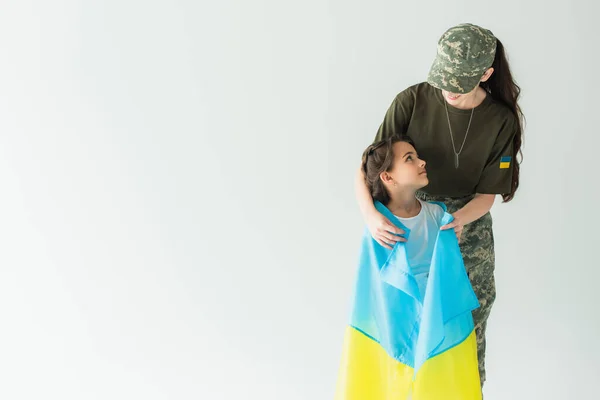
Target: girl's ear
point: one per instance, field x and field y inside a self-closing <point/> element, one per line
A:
<point x="386" y="178"/>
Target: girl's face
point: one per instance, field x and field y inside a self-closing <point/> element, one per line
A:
<point x="408" y="171"/>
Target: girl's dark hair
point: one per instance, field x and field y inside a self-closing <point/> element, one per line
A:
<point x="378" y="158"/>
<point x="503" y="88"/>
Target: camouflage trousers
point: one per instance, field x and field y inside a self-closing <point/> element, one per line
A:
<point x="477" y="248"/>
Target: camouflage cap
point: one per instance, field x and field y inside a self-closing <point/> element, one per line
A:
<point x="464" y="53"/>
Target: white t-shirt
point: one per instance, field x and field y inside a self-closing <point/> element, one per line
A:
<point x="424" y="228"/>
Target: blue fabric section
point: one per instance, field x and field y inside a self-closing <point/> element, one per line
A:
<point x="505" y="159"/>
<point x="388" y="306"/>
<point x="378" y="304"/>
<point x="449" y="296"/>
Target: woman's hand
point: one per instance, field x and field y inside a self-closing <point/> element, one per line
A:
<point x="383" y="231"/>
<point x="472" y="211"/>
<point x="456" y="224"/>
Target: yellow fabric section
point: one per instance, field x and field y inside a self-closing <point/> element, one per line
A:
<point x="504" y="165"/>
<point x="452" y="375"/>
<point x="367" y="372"/>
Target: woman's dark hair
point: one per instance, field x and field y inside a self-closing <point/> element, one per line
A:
<point x="378" y="158"/>
<point x="503" y="88"/>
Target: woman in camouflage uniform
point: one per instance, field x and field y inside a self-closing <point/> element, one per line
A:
<point x="466" y="123"/>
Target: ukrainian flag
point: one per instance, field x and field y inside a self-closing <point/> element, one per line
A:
<point x="399" y="343"/>
<point x="505" y="162"/>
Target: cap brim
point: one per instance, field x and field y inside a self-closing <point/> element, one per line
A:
<point x="439" y="77"/>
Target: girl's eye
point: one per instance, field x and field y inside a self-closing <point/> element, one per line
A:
<point x="409" y="158"/>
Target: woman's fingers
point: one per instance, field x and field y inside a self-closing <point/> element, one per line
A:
<point x="456" y="226"/>
<point x="458" y="231"/>
<point x="449" y="226"/>
<point x="387" y="234"/>
<point x="391" y="236"/>
<point x="388" y="226"/>
<point x="384" y="244"/>
<point x="392" y="232"/>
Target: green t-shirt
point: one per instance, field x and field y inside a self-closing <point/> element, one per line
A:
<point x="486" y="161"/>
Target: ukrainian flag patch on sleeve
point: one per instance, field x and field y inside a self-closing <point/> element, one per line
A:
<point x="505" y="162"/>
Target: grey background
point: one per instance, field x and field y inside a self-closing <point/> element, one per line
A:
<point x="177" y="218"/>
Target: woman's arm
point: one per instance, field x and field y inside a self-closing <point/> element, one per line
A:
<point x="363" y="197"/>
<point x="494" y="179"/>
<point x="382" y="230"/>
<point x="472" y="211"/>
<point x="395" y="121"/>
<point x="476" y="208"/>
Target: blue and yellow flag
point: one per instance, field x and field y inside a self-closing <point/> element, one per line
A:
<point x="400" y="343"/>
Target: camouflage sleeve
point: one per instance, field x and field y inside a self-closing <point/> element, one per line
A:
<point x="397" y="116"/>
<point x="496" y="177"/>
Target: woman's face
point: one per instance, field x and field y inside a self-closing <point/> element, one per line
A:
<point x="460" y="100"/>
<point x="466" y="100"/>
<point x="408" y="171"/>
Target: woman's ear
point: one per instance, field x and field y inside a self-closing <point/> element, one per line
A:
<point x="487" y="74"/>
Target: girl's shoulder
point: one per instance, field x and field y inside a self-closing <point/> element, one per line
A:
<point x="434" y="206"/>
<point x="433" y="209"/>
